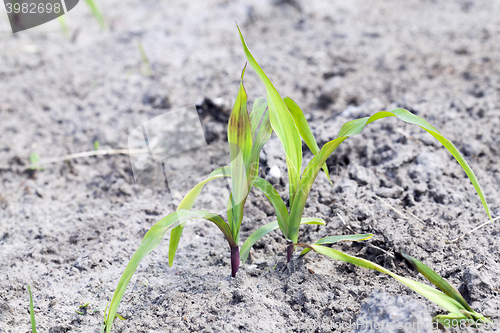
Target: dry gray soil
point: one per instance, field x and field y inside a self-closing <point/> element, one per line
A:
<point x="69" y="230"/>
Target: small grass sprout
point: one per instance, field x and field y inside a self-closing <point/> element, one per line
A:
<point x="34" y="160"/>
<point x="290" y="125"/>
<point x="82" y="307"/>
<point x="32" y="312"/>
<point x="146" y="67"/>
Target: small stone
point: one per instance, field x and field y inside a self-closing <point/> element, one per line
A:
<point x="477" y="284"/>
<point x="363" y="212"/>
<point x="126" y="189"/>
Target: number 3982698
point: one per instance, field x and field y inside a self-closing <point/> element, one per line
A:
<point x="33" y="8"/>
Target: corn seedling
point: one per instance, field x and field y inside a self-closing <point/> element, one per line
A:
<point x="82" y="309"/>
<point x="247" y="134"/>
<point x="32" y="312"/>
<point x="290" y="125"/>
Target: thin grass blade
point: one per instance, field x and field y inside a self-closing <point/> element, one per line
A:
<point x="32" y="312"/>
<point x="187" y="203"/>
<point x="336" y="239"/>
<point x="150" y="241"/>
<point x="304" y="130"/>
<point x="64" y="27"/>
<point x="97" y="13"/>
<point x="281" y="122"/>
<point x="437" y="280"/>
<point x="265" y="229"/>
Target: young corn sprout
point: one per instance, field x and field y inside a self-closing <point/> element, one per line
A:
<point x="247" y="134"/>
<point x="449" y="299"/>
<point x="290" y="125"/>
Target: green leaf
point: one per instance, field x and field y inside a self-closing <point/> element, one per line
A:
<point x="428" y="292"/>
<point x="265" y="229"/>
<point x="257" y="115"/>
<point x="313" y="221"/>
<point x="32" y="312"/>
<point x="305" y="184"/>
<point x="304" y="130"/>
<point x="64" y="27"/>
<point x="239" y="132"/>
<point x="261" y="133"/>
<point x="187" y="203"/>
<point x="97" y="13"/>
<point x="34" y="158"/>
<point x="356" y="126"/>
<point x="282" y="123"/>
<point x="438" y="281"/>
<point x="279" y="206"/>
<point x="229" y="209"/>
<point x="239" y="135"/>
<point x="146" y="68"/>
<point x="335" y="239"/>
<point x="150" y="241"/>
<point x="254" y="237"/>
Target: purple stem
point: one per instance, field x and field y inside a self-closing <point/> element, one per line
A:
<point x="289" y="252"/>
<point x="235" y="260"/>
